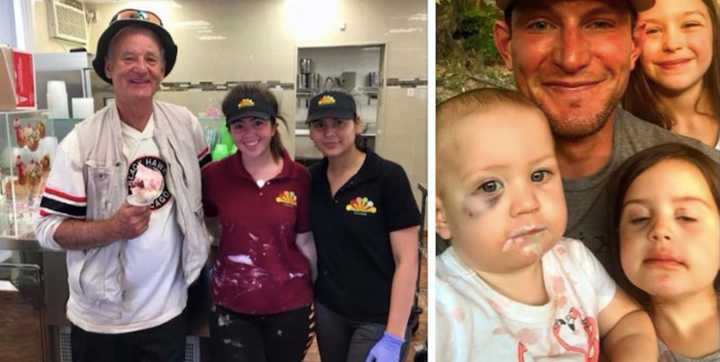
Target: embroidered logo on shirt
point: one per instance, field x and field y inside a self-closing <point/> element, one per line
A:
<point x="361" y="205"/>
<point x="287" y="198"/>
<point x="325" y="100"/>
<point x="246" y="102"/>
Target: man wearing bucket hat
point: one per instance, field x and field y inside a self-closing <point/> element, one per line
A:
<point x="573" y="59"/>
<point x="123" y="199"/>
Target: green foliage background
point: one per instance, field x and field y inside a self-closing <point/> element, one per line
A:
<point x="466" y="57"/>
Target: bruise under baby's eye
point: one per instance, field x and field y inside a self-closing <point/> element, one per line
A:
<point x="477" y="204"/>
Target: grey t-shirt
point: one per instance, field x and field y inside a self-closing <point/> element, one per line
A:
<point x="668" y="356"/>
<point x="587" y="198"/>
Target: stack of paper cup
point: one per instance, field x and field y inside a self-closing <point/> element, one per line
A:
<point x="57" y="99"/>
<point x="82" y="107"/>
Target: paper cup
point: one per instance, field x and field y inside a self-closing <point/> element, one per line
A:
<point x="57" y="99"/>
<point x="135" y="201"/>
<point x="82" y="107"/>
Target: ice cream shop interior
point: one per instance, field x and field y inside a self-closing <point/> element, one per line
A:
<point x="374" y="50"/>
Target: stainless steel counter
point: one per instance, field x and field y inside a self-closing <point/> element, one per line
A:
<point x="40" y="276"/>
<point x="19" y="244"/>
<point x="49" y="291"/>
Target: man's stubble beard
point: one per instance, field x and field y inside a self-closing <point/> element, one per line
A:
<point x="592" y="124"/>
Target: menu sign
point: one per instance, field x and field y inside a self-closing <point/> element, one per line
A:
<point x="24" y="79"/>
<point x="17" y="80"/>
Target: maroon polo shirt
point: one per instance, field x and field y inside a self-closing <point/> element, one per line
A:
<point x="259" y="268"/>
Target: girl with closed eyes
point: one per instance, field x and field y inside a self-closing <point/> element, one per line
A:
<point x="667" y="246"/>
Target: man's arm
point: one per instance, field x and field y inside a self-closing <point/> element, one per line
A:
<point x="127" y="223"/>
<point x="628" y="331"/>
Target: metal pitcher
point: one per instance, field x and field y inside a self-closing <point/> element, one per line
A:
<point x="372" y="80"/>
<point x="305" y="65"/>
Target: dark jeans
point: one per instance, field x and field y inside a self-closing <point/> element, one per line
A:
<point x="282" y="337"/>
<point x="164" y="343"/>
<point x="344" y="340"/>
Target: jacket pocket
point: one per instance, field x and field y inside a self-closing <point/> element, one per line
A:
<point x="75" y="265"/>
<point x="99" y="190"/>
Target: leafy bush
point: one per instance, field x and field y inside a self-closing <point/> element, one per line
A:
<point x="466" y="55"/>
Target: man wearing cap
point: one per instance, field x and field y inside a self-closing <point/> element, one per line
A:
<point x="123" y="199"/>
<point x="573" y="59"/>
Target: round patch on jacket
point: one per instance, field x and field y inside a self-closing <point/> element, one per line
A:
<point x="156" y="164"/>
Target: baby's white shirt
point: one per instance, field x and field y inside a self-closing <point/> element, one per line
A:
<point x="476" y="323"/>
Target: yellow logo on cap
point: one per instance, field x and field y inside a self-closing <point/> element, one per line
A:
<point x="246" y="102"/>
<point x="325" y="100"/>
<point x="287" y="197"/>
<point x="361" y="205"/>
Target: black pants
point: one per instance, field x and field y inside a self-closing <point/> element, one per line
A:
<point x="282" y="337"/>
<point x="164" y="343"/>
<point x="343" y="340"/>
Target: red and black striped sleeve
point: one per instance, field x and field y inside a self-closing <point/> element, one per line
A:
<point x="64" y="193"/>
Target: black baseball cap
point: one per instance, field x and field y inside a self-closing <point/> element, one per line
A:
<point x="247" y="105"/>
<point x="129" y="17"/>
<point x="331" y="104"/>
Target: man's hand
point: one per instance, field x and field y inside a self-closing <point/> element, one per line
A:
<point x="130" y="221"/>
<point x="127" y="223"/>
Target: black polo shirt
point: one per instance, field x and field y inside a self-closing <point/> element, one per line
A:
<point x="352" y="234"/>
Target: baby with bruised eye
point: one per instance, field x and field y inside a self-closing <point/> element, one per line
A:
<point x="511" y="287"/>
